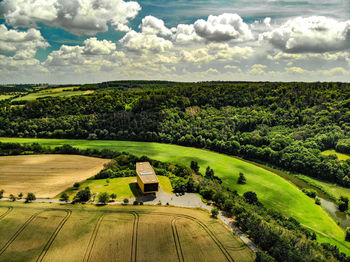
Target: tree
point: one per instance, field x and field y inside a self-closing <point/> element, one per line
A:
<point x="83" y="195"/>
<point x="113" y="196"/>
<point x="2" y="193"/>
<point x="20" y="195"/>
<point x="209" y="173"/>
<point x="64" y="197"/>
<point x="195" y="166"/>
<point x="125" y="201"/>
<point x="12" y="198"/>
<point x="347" y="236"/>
<point x="263" y="257"/>
<point x="214" y="213"/>
<point x="103" y="197"/>
<point x="76" y="185"/>
<point x="317" y="201"/>
<point x="30" y="197"/>
<point x="241" y="179"/>
<point x="343" y="203"/>
<point x="251" y="197"/>
<point x="135" y="203"/>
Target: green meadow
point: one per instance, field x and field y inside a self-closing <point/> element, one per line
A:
<point x="36" y="95"/>
<point x="339" y="155"/>
<point x="272" y="190"/>
<point x="123" y="187"/>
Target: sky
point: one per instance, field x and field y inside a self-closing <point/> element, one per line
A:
<point x="85" y="41"/>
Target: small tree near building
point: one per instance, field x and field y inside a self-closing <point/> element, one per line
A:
<point x="30" y="197"/>
<point x="126" y="201"/>
<point x="20" y="195"/>
<point x="12" y="198"/>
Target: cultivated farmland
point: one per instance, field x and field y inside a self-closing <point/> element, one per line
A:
<point x="49" y="232"/>
<point x="272" y="190"/>
<point x="45" y="175"/>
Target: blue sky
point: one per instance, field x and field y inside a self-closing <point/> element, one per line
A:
<point x="62" y="41"/>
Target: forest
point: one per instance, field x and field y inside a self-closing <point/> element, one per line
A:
<point x="287" y="125"/>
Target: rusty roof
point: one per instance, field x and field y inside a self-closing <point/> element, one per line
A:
<point x="146" y="173"/>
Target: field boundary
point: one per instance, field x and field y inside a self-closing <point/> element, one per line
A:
<point x="9" y="209"/>
<point x="54" y="235"/>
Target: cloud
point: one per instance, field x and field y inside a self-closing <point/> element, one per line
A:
<point x="96" y="47"/>
<point x="222" y="28"/>
<point x="25" y="42"/>
<point x="140" y="42"/>
<point x="185" y="34"/>
<point x="80" y="17"/>
<point x="315" y="34"/>
<point x="154" y="26"/>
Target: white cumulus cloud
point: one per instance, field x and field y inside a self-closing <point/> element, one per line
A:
<point x="80" y="17"/>
<point x="224" y="27"/>
<point x="315" y="34"/>
<point x="96" y="47"/>
<point x="154" y="26"/>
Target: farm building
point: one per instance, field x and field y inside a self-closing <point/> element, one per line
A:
<point x="146" y="177"/>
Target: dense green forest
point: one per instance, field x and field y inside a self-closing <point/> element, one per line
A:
<point x="280" y="238"/>
<point x="284" y="124"/>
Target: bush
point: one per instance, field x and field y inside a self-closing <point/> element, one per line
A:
<point x="141" y="203"/>
<point x="347" y="236"/>
<point x="30" y="197"/>
<point x="20" y="195"/>
<point x="241" y="179"/>
<point x="2" y="193"/>
<point x="113" y="196"/>
<point x="12" y="198"/>
<point x="214" y="213"/>
<point x="64" y="197"/>
<point x="310" y="192"/>
<point x="103" y="197"/>
<point x="76" y="185"/>
<point x="317" y="201"/>
<point x="83" y="195"/>
<point x="251" y="197"/>
<point x="135" y="203"/>
<point x="125" y="201"/>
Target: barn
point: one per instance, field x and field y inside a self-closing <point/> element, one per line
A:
<point x="146" y="178"/>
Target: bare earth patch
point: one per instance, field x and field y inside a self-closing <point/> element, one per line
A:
<point x="45" y="175"/>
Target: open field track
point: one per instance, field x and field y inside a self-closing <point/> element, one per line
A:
<point x="9" y="209"/>
<point x="123" y="234"/>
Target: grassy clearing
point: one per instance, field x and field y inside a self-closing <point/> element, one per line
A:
<point x="36" y="95"/>
<point x="108" y="233"/>
<point x="272" y="190"/>
<point x="3" y="97"/>
<point x="123" y="187"/>
<point x="339" y="155"/>
<point x="45" y="175"/>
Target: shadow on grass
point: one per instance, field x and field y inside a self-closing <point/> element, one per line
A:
<point x="136" y="191"/>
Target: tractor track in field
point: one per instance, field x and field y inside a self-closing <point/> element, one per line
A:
<point x="177" y="242"/>
<point x="23" y="227"/>
<point x="54" y="235"/>
<point x="88" y="251"/>
<point x="134" y="236"/>
<point x="9" y="209"/>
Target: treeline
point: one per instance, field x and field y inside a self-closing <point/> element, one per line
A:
<point x="281" y="238"/>
<point x="285" y="124"/>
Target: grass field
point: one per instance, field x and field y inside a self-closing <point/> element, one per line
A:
<point x="3" y="97"/>
<point x="123" y="187"/>
<point x="52" y="232"/>
<point x="45" y="175"/>
<point x="272" y="190"/>
<point x="36" y="95"/>
<point x="339" y="155"/>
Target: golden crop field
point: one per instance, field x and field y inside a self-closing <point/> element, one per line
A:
<point x="53" y="232"/>
<point x="45" y="175"/>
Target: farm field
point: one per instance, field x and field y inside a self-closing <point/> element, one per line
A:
<point x="3" y="97"/>
<point x="36" y="95"/>
<point x="52" y="232"/>
<point x="45" y="175"/>
<point x="272" y="190"/>
<point x="123" y="187"/>
<point x="339" y="155"/>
